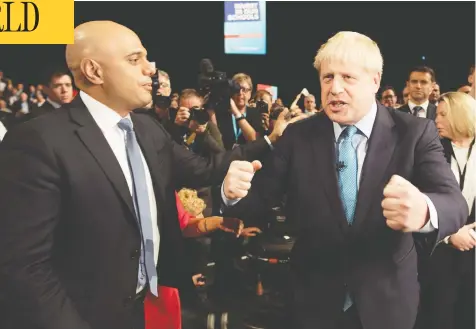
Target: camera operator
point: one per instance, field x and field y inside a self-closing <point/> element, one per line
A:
<point x="241" y="124"/>
<point x="263" y="101"/>
<point x="201" y="135"/>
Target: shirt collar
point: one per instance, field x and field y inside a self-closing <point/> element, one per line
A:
<point x="411" y="105"/>
<point x="105" y="117"/>
<point x="54" y="104"/>
<point x="365" y="125"/>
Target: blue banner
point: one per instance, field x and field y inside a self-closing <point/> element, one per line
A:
<point x="245" y="27"/>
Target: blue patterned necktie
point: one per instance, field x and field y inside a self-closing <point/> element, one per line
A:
<point x="348" y="181"/>
<point x="141" y="206"/>
<point x="348" y="172"/>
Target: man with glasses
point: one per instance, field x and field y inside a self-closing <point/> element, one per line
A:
<point x="389" y="97"/>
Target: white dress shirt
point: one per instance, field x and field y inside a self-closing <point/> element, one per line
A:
<point x="421" y="114"/>
<point x="3" y="131"/>
<point x="359" y="141"/>
<point x="469" y="189"/>
<point x="107" y="120"/>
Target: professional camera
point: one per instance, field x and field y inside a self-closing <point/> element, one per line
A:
<point x="262" y="106"/>
<point x="215" y="87"/>
<point x="199" y="114"/>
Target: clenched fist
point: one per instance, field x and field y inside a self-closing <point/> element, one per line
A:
<point x="404" y="206"/>
<point x="238" y="179"/>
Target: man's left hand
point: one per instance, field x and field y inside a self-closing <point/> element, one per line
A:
<point x="404" y="206"/>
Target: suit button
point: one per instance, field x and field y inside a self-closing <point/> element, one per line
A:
<point x="134" y="254"/>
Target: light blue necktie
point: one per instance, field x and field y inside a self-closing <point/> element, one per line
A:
<point x="140" y="198"/>
<point x="348" y="181"/>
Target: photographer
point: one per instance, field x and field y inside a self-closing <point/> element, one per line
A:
<point x="163" y="108"/>
<point x="263" y="101"/>
<point x="241" y="124"/>
<point x="161" y="101"/>
<point x="200" y="134"/>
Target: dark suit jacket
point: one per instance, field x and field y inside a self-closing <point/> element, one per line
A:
<point x="69" y="240"/>
<point x="430" y="113"/>
<point x="45" y="108"/>
<point x="377" y="264"/>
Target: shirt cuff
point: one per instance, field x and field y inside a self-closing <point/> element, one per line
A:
<point x="269" y="142"/>
<point x="432" y="224"/>
<point x="226" y="201"/>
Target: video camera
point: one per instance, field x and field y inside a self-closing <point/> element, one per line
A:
<point x="215" y="87"/>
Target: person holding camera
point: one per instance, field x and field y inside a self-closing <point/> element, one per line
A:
<point x="264" y="100"/>
<point x="200" y="134"/>
<point x="241" y="124"/>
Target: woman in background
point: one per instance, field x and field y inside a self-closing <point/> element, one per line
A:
<point x="448" y="285"/>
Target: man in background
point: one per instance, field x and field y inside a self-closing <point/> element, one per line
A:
<point x="421" y="82"/>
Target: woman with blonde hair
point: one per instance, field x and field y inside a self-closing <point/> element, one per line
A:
<point x="448" y="287"/>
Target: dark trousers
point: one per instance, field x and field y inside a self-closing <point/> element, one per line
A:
<point x="447" y="295"/>
<point x="138" y="316"/>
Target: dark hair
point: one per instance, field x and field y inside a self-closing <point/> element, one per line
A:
<point x="424" y="69"/>
<point x="384" y="89"/>
<point x="471" y="70"/>
<point x="52" y="73"/>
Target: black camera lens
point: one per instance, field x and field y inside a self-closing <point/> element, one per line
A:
<point x="200" y="115"/>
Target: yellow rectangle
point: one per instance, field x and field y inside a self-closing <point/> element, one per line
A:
<point x="48" y="22"/>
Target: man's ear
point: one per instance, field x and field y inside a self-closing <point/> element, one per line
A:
<point x="376" y="80"/>
<point x="92" y="71"/>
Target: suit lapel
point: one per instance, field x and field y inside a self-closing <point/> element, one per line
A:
<point x="324" y="152"/>
<point x="431" y="112"/>
<point x="151" y="154"/>
<point x="94" y="140"/>
<point x="405" y="108"/>
<point x="448" y="149"/>
<point x="380" y="149"/>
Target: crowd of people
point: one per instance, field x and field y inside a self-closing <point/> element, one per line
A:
<point x="101" y="182"/>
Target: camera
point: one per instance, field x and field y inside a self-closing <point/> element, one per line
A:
<point x="215" y="87"/>
<point x="262" y="106"/>
<point x="159" y="100"/>
<point x="196" y="113"/>
<point x="199" y="114"/>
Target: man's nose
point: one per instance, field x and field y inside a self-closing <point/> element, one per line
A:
<point x="150" y="69"/>
<point x="336" y="87"/>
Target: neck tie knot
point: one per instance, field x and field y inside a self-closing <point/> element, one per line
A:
<point x="126" y="125"/>
<point x="416" y="110"/>
<point x="349" y="132"/>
